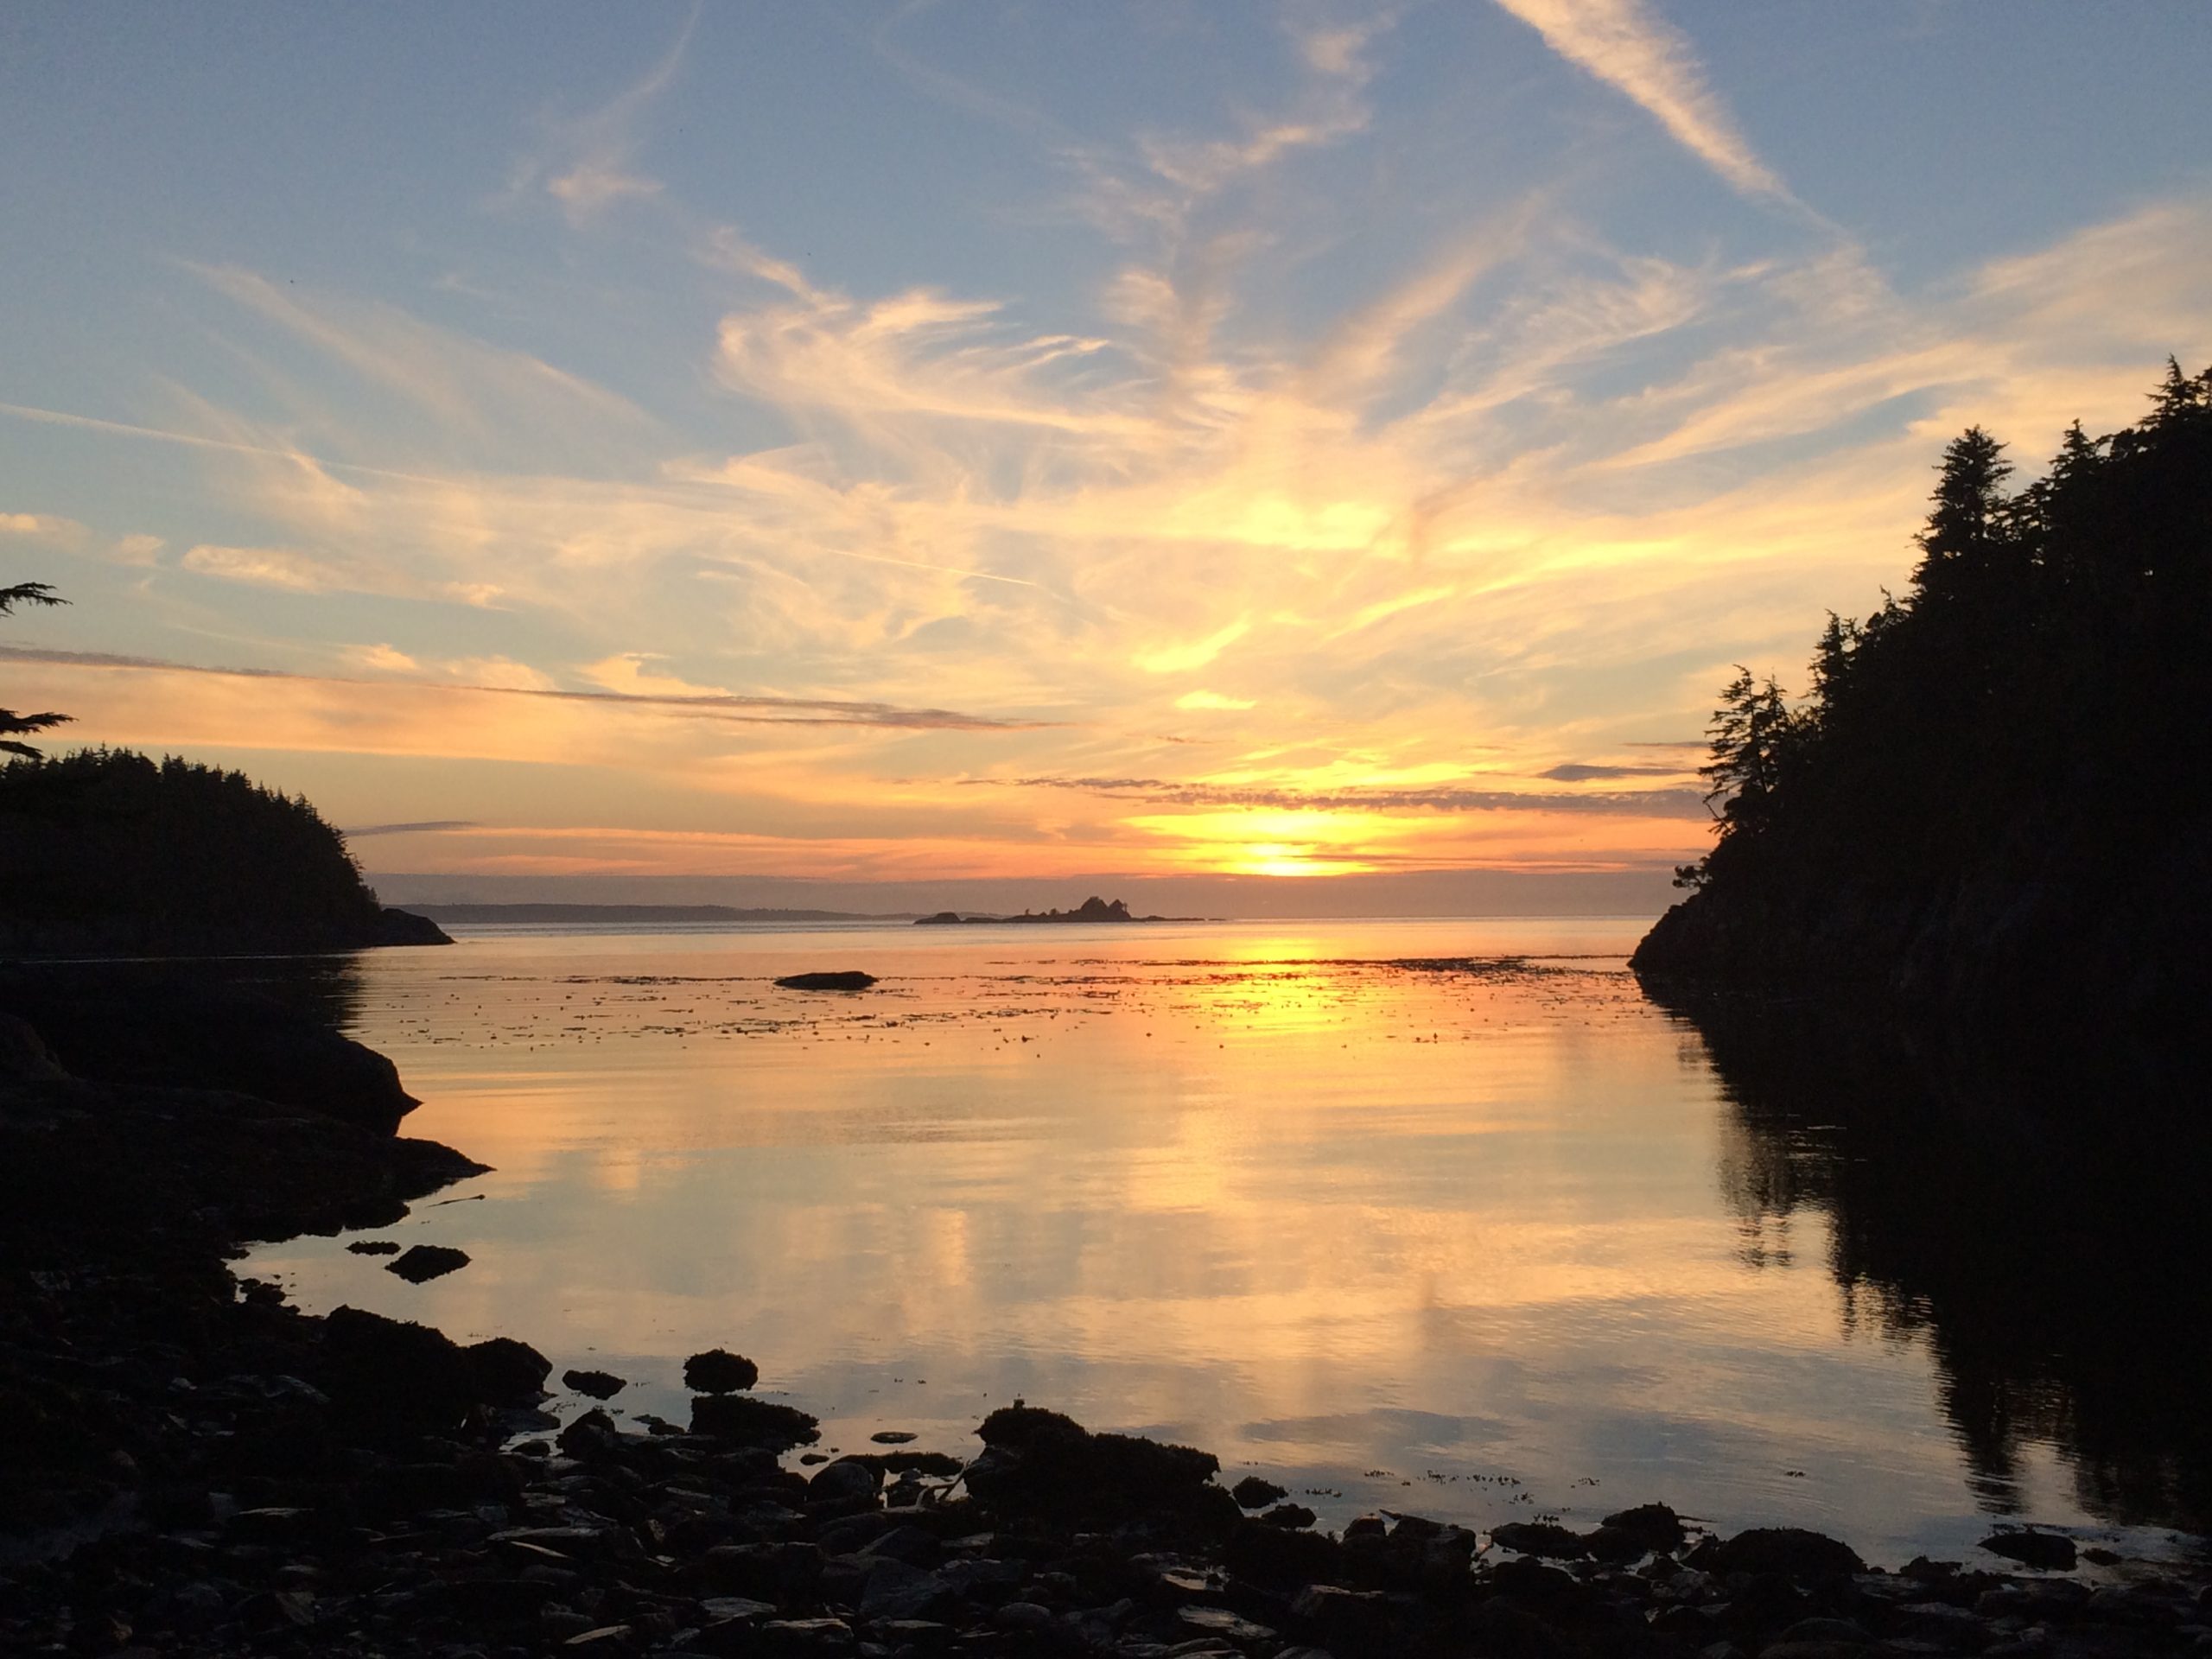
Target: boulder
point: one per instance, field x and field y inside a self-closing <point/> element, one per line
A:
<point x="1658" y="1525"/>
<point x="851" y="980"/>
<point x="426" y="1261"/>
<point x="1254" y="1493"/>
<point x="1041" y="1460"/>
<point x="24" y="1057"/>
<point x="170" y="1033"/>
<point x="719" y="1371"/>
<point x="1790" y="1551"/>
<point x="2048" y="1552"/>
<point x="1541" y="1538"/>
<point x="394" y="1373"/>
<point x="745" y="1421"/>
<point x="405" y="927"/>
<point x="505" y="1372"/>
<point x="843" y="1480"/>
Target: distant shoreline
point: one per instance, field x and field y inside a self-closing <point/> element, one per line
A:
<point x="609" y="915"/>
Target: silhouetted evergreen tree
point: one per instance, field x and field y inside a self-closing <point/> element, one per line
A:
<point x="14" y="726"/>
<point x="2008" y="765"/>
<point x="105" y="851"/>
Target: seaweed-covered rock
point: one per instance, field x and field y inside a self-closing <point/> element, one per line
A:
<point x="1541" y="1538"/>
<point x="1647" y="1528"/>
<point x="745" y="1421"/>
<point x="506" y="1372"/>
<point x="849" y="980"/>
<point x="423" y="1262"/>
<point x="2045" y="1551"/>
<point x="719" y="1371"/>
<point x="1254" y="1493"/>
<point x="1041" y="1460"/>
<point x="1791" y="1551"/>
<point x="394" y="1372"/>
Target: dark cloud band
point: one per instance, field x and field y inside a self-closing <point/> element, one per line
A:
<point x="745" y="710"/>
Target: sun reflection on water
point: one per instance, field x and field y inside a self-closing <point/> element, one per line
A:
<point x="1323" y="1207"/>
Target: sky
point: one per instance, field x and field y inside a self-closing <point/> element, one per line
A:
<point x="1241" y="451"/>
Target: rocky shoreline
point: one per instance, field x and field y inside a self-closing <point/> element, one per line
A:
<point x="190" y="1466"/>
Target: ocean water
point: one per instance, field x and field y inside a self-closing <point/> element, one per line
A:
<point x="1443" y="1217"/>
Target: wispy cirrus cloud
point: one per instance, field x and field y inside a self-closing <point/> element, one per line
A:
<point x="42" y="527"/>
<point x="738" y="708"/>
<point x="588" y="161"/>
<point x="1626" y="44"/>
<point x="428" y="826"/>
<point x="1161" y="791"/>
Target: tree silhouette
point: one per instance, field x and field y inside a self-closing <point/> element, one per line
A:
<point x="14" y="726"/>
<point x="1998" y="784"/>
<point x="105" y="851"/>
<point x="1751" y="732"/>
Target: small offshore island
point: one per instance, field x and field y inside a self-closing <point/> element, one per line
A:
<point x="1092" y="911"/>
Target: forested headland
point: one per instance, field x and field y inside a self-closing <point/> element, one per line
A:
<point x="106" y="852"/>
<point x="1993" y="802"/>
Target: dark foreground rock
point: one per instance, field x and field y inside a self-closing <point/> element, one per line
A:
<point x="404" y="927"/>
<point x="169" y="1032"/>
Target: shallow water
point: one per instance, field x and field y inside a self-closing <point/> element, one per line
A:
<point x="1444" y="1216"/>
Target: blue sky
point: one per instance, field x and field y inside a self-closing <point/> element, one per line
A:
<point x="870" y="442"/>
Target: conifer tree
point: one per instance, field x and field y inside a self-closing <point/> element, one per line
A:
<point x="14" y="727"/>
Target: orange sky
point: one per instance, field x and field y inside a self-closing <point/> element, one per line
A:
<point x="1330" y="442"/>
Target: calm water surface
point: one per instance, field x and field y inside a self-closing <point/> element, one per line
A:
<point x="1443" y="1215"/>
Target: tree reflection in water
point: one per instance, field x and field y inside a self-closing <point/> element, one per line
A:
<point x="326" y="988"/>
<point x="2048" y="1240"/>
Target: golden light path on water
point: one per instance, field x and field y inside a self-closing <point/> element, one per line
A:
<point x="1422" y="1215"/>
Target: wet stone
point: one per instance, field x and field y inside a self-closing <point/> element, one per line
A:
<point x="843" y="1479"/>
<point x="2047" y="1552"/>
<point x="1540" y="1538"/>
<point x="1221" y="1622"/>
<point x="1254" y="1493"/>
<point x="427" y="1262"/>
<point x="719" y="1371"/>
<point x="797" y="1637"/>
<point x="600" y="1385"/>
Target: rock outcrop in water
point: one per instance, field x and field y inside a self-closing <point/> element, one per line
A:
<point x="164" y="1026"/>
<point x="1092" y="911"/>
<point x="1996" y="805"/>
<point x="837" y="979"/>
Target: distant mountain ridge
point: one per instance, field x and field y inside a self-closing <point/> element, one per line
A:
<point x="616" y="915"/>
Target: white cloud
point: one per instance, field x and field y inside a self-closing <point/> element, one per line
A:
<point x="263" y="567"/>
<point x="1627" y="45"/>
<point x="42" y="527"/>
<point x="1213" y="700"/>
<point x="141" y="549"/>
